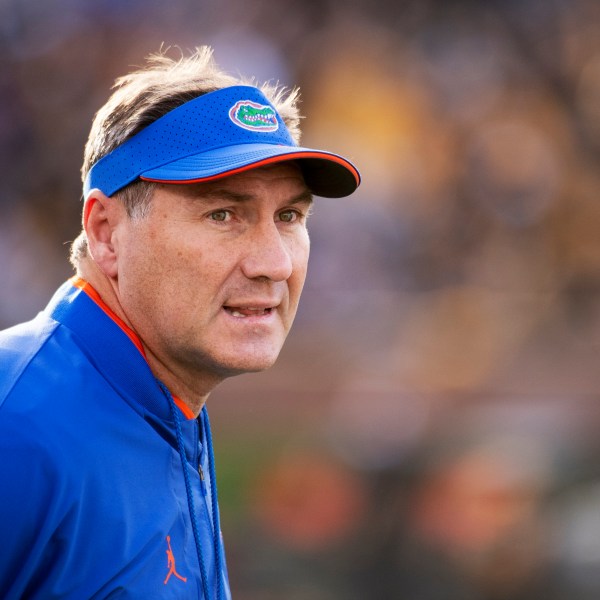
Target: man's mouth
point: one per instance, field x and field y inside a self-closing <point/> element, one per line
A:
<point x="241" y="312"/>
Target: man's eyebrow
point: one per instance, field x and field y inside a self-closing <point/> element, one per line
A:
<point x="223" y="194"/>
<point x="231" y="196"/>
<point x="305" y="196"/>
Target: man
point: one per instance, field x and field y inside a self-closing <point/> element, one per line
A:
<point x="189" y="270"/>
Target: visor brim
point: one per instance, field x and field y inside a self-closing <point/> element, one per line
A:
<point x="326" y="174"/>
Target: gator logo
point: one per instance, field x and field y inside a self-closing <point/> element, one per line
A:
<point x="253" y="116"/>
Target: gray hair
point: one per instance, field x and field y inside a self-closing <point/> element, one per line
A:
<point x="145" y="95"/>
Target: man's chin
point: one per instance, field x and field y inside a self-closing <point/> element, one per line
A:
<point x="239" y="365"/>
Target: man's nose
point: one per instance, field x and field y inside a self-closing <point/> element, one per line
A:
<point x="267" y="254"/>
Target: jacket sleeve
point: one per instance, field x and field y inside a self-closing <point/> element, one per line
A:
<point x="30" y="510"/>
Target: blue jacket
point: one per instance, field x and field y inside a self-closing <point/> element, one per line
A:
<point x="94" y="498"/>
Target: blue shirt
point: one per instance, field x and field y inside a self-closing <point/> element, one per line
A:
<point x="93" y="499"/>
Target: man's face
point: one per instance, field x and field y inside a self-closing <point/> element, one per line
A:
<point x="210" y="279"/>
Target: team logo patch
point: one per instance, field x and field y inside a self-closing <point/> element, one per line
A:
<point x="253" y="116"/>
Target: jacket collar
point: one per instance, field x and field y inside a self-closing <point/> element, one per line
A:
<point x="114" y="349"/>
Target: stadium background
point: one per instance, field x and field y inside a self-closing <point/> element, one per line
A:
<point x="431" y="429"/>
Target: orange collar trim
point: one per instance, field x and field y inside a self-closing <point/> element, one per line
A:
<point x="82" y="284"/>
<point x="183" y="407"/>
<point x="86" y="287"/>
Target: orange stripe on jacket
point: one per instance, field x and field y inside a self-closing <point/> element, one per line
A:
<point x="83" y="285"/>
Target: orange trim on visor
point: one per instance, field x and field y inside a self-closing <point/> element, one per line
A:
<point x="261" y="163"/>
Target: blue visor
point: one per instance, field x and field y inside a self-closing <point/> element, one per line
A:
<point x="215" y="135"/>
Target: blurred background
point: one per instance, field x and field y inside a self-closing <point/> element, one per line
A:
<point x="431" y="428"/>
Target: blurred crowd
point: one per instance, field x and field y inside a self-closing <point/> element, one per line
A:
<point x="431" y="430"/>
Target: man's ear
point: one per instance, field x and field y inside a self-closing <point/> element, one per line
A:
<point x="101" y="216"/>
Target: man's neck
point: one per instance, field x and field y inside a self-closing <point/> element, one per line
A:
<point x="105" y="292"/>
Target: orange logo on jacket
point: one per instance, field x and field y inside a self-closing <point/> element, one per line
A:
<point x="171" y="563"/>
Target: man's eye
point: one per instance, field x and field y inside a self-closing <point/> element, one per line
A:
<point x="288" y="216"/>
<point x="219" y="215"/>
